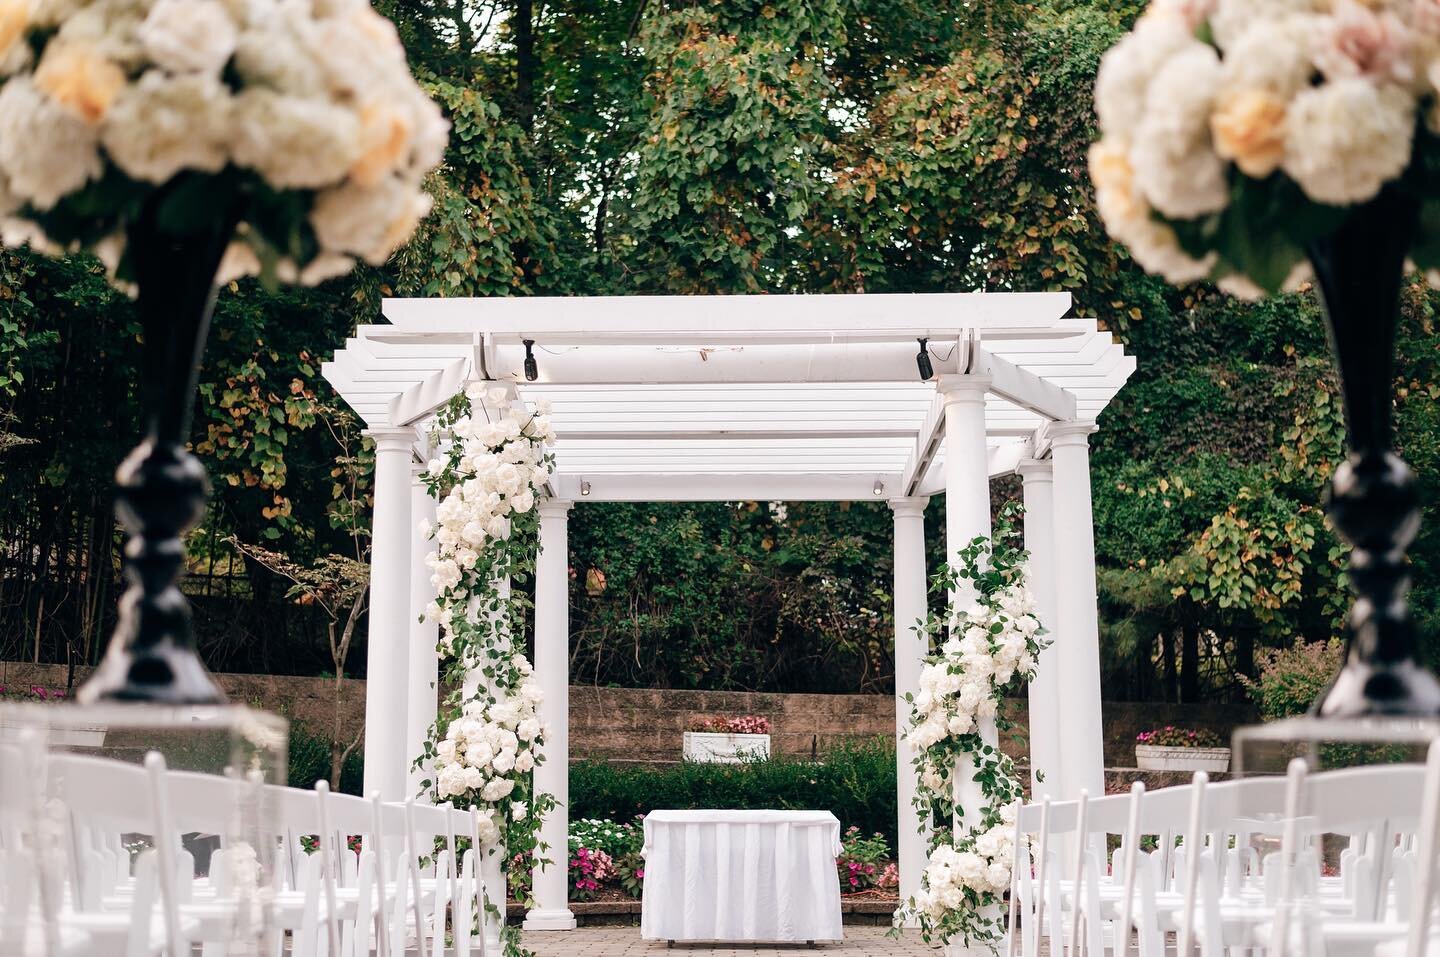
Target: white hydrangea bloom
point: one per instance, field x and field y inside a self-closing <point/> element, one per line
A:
<point x="1175" y="166"/>
<point x="1346" y="138"/>
<point x="1127" y="68"/>
<point x="46" y="152"/>
<point x="295" y="142"/>
<point x="189" y="35"/>
<point x="162" y="124"/>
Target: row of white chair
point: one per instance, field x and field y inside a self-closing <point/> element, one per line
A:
<point x="1235" y="868"/>
<point x="295" y="887"/>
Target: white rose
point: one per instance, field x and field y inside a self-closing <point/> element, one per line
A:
<point x="189" y="35"/>
<point x="528" y="729"/>
<point x="524" y="762"/>
<point x="519" y="811"/>
<point x="496" y="789"/>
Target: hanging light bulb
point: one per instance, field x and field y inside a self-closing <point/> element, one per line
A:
<point x="879" y="488"/>
<point x="532" y="370"/>
<point x="922" y="361"/>
<point x="584" y="487"/>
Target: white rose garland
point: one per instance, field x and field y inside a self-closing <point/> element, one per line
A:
<point x="483" y="748"/>
<point x="990" y="646"/>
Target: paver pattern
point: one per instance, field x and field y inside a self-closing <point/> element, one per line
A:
<point x="626" y="942"/>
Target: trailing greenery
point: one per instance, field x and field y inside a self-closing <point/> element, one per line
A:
<point x="856" y="782"/>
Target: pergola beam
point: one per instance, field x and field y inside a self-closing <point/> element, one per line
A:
<point x="1022" y="387"/>
<point x="719" y="320"/>
<point x="741" y="487"/>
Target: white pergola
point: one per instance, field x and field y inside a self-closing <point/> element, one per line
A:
<point x="768" y="398"/>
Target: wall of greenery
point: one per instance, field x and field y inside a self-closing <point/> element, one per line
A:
<point x="647" y="146"/>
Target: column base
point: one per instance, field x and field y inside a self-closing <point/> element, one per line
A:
<point x="560" y="919"/>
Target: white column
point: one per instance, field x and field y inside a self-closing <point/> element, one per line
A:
<point x="910" y="648"/>
<point x="967" y="516"/>
<point x="387" y="657"/>
<point x="423" y="674"/>
<point x="552" y="669"/>
<point x="1045" y="771"/>
<point x="967" y="465"/>
<point x="1077" y="629"/>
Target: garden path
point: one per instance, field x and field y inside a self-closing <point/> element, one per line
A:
<point x="626" y="942"/>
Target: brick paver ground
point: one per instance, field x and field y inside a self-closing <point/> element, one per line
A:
<point x="626" y="942"/>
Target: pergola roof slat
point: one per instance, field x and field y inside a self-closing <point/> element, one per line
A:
<point x="754" y="394"/>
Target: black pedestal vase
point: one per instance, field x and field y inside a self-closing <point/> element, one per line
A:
<point x="161" y="488"/>
<point x="1372" y="502"/>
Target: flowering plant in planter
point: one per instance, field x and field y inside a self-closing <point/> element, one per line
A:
<point x="590" y="868"/>
<point x="32" y="693"/>
<point x="745" y="724"/>
<point x="864" y="862"/>
<point x="1173" y="737"/>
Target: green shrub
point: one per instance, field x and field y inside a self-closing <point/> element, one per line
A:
<point x="310" y="762"/>
<point x="855" y="782"/>
<point x="1290" y="679"/>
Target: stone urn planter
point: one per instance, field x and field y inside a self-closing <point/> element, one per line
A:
<point x="1160" y="757"/>
<point x="725" y="748"/>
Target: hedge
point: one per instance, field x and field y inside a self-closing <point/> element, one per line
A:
<point x="855" y="782"/>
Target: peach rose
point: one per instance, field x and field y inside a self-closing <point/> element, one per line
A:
<point x="385" y="140"/>
<point x="14" y="18"/>
<point x="80" y="79"/>
<point x="1114" y="180"/>
<point x="1249" y="127"/>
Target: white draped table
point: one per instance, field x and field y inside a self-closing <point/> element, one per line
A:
<point x="741" y="875"/>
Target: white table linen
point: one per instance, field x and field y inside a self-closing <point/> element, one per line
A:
<point x="741" y="876"/>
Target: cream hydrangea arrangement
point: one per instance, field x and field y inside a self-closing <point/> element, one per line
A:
<point x="1235" y="133"/>
<point x="294" y="124"/>
<point x="488" y="738"/>
<point x="990" y="645"/>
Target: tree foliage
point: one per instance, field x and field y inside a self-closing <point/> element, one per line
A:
<point x="746" y="146"/>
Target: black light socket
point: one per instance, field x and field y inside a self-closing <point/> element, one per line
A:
<point x="532" y="370"/>
<point x="922" y="361"/>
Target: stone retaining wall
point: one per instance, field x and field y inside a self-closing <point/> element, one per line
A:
<point x="645" y="726"/>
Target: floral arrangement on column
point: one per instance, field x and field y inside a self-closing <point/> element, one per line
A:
<point x="294" y="127"/>
<point x="1235" y="133"/>
<point x="488" y="740"/>
<point x="987" y="648"/>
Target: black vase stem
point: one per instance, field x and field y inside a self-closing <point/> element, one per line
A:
<point x="161" y="488"/>
<point x="1372" y="501"/>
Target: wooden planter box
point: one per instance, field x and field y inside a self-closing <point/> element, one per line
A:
<point x="1150" y="757"/>
<point x="725" y="748"/>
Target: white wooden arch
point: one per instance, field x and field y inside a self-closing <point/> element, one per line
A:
<point x="770" y="398"/>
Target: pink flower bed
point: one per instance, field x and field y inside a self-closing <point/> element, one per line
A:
<point x="745" y="724"/>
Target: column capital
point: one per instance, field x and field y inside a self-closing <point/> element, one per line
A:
<point x="391" y="438"/>
<point x="1070" y="433"/>
<point x="909" y="505"/>
<point x="1036" y="470"/>
<point x="962" y="387"/>
<point x="554" y="507"/>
